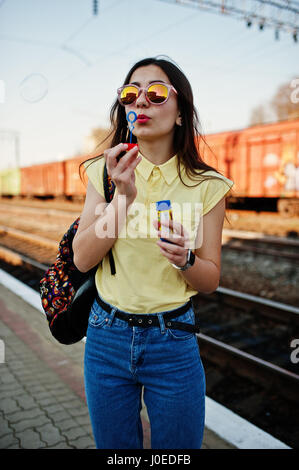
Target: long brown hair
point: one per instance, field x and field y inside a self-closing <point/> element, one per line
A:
<point x="187" y="138"/>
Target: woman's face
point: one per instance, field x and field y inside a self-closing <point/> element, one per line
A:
<point x="162" y="118"/>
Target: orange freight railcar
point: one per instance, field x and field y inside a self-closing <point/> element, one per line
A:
<point x="44" y="180"/>
<point x="263" y="161"/>
<point x="73" y="185"/>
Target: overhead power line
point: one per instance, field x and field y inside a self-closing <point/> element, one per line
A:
<point x="280" y="15"/>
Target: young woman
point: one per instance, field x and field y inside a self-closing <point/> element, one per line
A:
<point x="141" y="325"/>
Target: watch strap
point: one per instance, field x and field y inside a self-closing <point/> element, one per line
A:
<point x="190" y="261"/>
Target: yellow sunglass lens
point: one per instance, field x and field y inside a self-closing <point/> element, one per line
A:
<point x="128" y="95"/>
<point x="157" y="93"/>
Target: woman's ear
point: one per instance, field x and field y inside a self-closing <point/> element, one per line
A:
<point x="178" y="120"/>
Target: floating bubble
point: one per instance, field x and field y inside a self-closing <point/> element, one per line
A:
<point x="34" y="87"/>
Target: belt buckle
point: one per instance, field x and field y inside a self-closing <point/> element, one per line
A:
<point x="135" y="320"/>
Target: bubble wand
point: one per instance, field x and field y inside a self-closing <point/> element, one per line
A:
<point x="131" y="118"/>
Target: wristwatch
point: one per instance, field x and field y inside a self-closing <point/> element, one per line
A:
<point x="190" y="261"/>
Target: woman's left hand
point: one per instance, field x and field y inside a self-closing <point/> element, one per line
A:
<point x="175" y="252"/>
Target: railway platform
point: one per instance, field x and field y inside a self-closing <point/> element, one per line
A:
<point x="42" y="399"/>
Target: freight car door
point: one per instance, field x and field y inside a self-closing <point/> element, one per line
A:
<point x="263" y="163"/>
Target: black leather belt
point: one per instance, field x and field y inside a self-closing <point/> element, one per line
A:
<point x="147" y="320"/>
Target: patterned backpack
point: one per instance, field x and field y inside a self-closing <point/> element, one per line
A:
<point x="66" y="293"/>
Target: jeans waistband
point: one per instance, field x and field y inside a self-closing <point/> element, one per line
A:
<point x="148" y="320"/>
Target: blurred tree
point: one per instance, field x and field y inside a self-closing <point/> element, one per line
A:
<point x="283" y="105"/>
<point x="99" y="134"/>
<point x="284" y="102"/>
<point x="258" y="115"/>
<point x="94" y="141"/>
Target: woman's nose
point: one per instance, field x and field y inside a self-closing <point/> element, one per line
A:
<point x="141" y="100"/>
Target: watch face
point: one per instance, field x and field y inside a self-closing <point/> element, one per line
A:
<point x="191" y="258"/>
<point x="189" y="262"/>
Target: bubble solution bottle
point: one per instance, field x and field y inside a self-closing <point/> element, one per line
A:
<point x="164" y="213"/>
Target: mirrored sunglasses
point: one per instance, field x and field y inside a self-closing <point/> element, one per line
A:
<point x="155" y="93"/>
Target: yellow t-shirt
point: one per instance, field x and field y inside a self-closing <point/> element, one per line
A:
<point x="145" y="281"/>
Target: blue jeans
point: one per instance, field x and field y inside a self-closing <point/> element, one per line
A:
<point x="120" y="359"/>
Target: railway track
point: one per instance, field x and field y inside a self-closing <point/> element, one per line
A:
<point x="245" y="341"/>
<point x="281" y="247"/>
<point x="274" y="277"/>
<point x="253" y="335"/>
<point x="54" y="216"/>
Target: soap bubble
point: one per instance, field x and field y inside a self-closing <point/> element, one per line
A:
<point x="34" y="87"/>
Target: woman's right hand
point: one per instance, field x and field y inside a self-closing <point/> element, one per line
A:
<point x="122" y="172"/>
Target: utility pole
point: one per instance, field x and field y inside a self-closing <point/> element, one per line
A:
<point x="7" y="135"/>
<point x="95" y="7"/>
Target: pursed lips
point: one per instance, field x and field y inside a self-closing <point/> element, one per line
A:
<point x="142" y="118"/>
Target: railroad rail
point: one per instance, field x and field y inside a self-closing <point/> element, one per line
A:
<point x="249" y="235"/>
<point x="259" y="243"/>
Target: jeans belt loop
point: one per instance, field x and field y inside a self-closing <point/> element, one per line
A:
<point x="110" y="318"/>
<point x="162" y="324"/>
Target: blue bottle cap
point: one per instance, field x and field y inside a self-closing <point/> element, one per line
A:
<point x="163" y="205"/>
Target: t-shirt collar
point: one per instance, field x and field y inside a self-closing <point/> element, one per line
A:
<point x="168" y="169"/>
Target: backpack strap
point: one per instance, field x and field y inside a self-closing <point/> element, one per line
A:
<point x="109" y="188"/>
